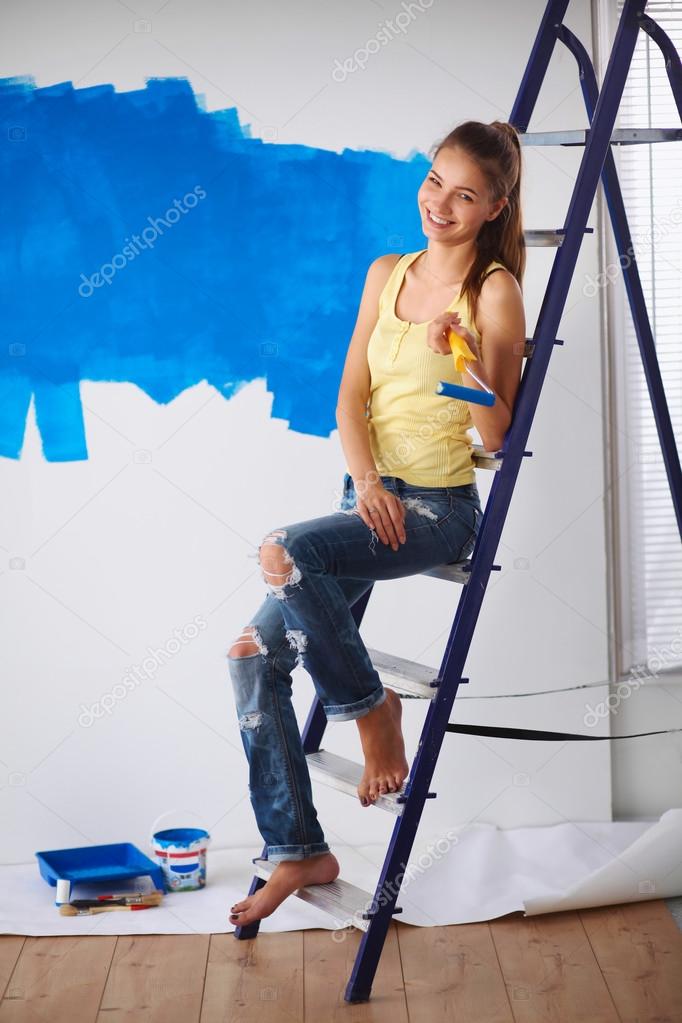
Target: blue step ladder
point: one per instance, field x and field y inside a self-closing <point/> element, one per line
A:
<point x="345" y="903"/>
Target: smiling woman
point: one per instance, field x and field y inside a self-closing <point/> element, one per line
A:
<point x="410" y="484"/>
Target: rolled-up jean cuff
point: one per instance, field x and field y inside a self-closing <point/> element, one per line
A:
<point x="278" y="853"/>
<point x="350" y="711"/>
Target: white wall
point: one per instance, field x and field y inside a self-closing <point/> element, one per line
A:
<point x="117" y="552"/>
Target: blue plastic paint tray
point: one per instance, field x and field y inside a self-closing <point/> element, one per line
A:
<point x="90" y="863"/>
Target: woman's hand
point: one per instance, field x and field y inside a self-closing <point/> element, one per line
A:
<point x="437" y="334"/>
<point x="382" y="511"/>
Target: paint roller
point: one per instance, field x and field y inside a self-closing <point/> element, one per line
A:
<point x="463" y="354"/>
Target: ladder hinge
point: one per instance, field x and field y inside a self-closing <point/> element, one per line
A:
<point x="373" y="912"/>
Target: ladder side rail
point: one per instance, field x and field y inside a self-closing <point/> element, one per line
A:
<point x="673" y="64"/>
<point x="538" y="62"/>
<point x="632" y="280"/>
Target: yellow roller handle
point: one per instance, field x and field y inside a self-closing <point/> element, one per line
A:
<point x="460" y="350"/>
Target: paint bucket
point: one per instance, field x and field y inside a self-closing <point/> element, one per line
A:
<point x="181" y="854"/>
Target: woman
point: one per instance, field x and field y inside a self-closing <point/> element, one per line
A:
<point x="410" y="498"/>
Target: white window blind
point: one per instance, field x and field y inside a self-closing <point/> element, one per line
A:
<point x="651" y="180"/>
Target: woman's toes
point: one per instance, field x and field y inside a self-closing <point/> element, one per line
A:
<point x="240" y="907"/>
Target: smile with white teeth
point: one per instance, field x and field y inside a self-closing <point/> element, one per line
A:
<point x="435" y="219"/>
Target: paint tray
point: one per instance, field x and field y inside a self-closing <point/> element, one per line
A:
<point x="110" y="863"/>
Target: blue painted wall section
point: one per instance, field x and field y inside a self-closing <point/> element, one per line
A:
<point x="147" y="240"/>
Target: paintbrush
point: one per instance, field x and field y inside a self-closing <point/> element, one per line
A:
<point x="152" y="900"/>
<point x="70" y="910"/>
<point x="130" y="897"/>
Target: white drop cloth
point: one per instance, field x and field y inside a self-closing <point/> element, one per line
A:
<point x="480" y="873"/>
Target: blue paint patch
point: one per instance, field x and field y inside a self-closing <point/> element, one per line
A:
<point x="114" y="265"/>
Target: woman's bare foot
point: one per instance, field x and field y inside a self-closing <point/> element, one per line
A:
<point x="285" y="879"/>
<point x="382" y="743"/>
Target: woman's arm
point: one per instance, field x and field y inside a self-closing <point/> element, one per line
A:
<point x="378" y="508"/>
<point x="501" y="322"/>
<point x="351" y="417"/>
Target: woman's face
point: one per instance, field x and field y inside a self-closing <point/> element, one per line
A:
<point x="455" y="190"/>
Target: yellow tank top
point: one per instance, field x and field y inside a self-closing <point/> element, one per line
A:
<point x="415" y="433"/>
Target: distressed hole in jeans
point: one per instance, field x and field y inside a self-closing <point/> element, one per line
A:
<point x="254" y="719"/>
<point x="275" y="579"/>
<point x="248" y="637"/>
<point x="297" y="641"/>
<point x="418" y="505"/>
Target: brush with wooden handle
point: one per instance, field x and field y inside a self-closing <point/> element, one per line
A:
<point x="129" y="897"/>
<point x="73" y="909"/>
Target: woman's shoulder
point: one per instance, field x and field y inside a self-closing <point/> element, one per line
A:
<point x="386" y="273"/>
<point x="493" y="265"/>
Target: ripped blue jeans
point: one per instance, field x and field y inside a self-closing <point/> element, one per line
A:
<point x="331" y="561"/>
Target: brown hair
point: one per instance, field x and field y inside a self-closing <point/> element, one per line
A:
<point x="496" y="149"/>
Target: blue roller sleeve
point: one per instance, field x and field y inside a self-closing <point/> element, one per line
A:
<point x="467" y="393"/>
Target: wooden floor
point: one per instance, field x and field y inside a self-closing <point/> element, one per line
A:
<point x="599" y="965"/>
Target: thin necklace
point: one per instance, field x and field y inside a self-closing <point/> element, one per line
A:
<point x="457" y="284"/>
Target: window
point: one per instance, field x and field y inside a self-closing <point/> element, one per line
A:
<point x="649" y="546"/>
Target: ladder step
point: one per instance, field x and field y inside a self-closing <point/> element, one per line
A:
<point x="551" y="236"/>
<point x="487" y="459"/>
<point x="457" y="572"/>
<point x="620" y="137"/>
<point x="407" y="677"/>
<point x="344" y="775"/>
<point x="345" y="902"/>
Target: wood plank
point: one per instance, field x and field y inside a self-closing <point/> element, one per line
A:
<point x="257" y="980"/>
<point x="10" y="947"/>
<point x="550" y="970"/>
<point x="155" y="977"/>
<point x="328" y="958"/>
<point x="639" y="950"/>
<point x="452" y="973"/>
<point x="58" y="978"/>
